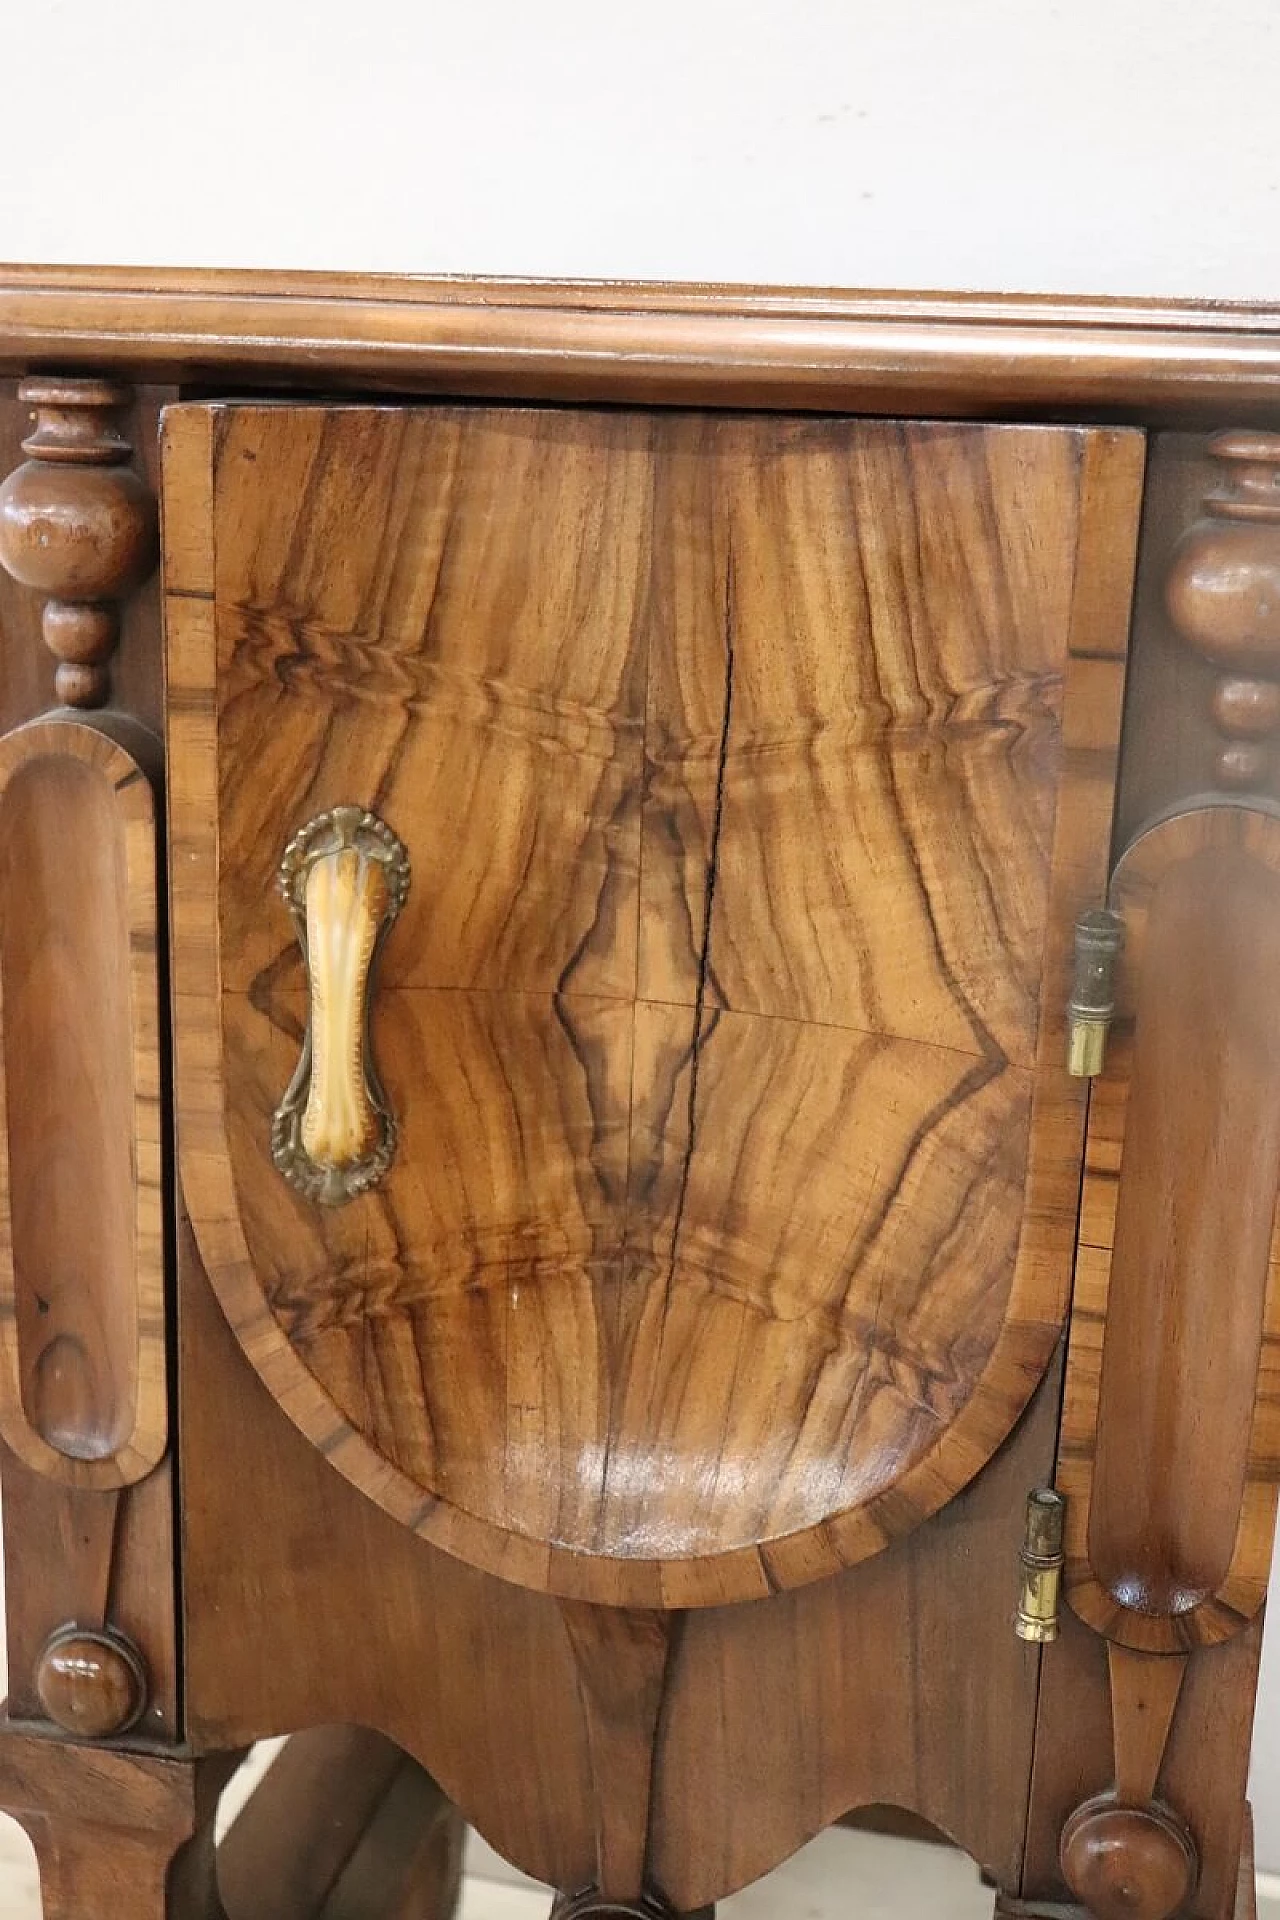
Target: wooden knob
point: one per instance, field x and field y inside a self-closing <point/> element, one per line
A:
<point x="1127" y="1863"/>
<point x="78" y="525"/>
<point x="1223" y="595"/>
<point x="91" y="1684"/>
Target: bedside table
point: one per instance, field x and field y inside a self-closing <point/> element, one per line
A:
<point x="641" y="1078"/>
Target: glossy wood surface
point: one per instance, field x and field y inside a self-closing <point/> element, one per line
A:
<point x="1128" y="1863"/>
<point x="115" y="1833"/>
<point x="1203" y="1769"/>
<point x="900" y="1681"/>
<point x="82" y="1331"/>
<point x="1145" y="1690"/>
<point x="1221" y="595"/>
<point x="983" y="356"/>
<point x="1247" y="1886"/>
<point x="103" y="1558"/>
<point x="699" y="1272"/>
<point x="701" y="1752"/>
<point x="621" y="1659"/>
<point x="92" y="1685"/>
<point x="78" y="523"/>
<point x="1169" y="1434"/>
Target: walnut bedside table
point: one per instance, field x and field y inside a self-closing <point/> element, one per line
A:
<point x="641" y="1084"/>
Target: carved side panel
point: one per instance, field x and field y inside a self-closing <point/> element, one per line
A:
<point x="1172" y="1419"/>
<point x="81" y="1548"/>
<point x="82" y="1348"/>
<point x="1171" y="1423"/>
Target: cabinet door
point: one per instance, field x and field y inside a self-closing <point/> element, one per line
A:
<point x="657" y="1180"/>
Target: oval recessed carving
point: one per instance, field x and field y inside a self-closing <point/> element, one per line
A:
<point x="1168" y="1460"/>
<point x="82" y="1370"/>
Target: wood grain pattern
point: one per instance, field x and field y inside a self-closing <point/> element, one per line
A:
<point x="1246" y="1907"/>
<point x="103" y="1558"/>
<point x="115" y="1832"/>
<point x="621" y="1659"/>
<point x="342" y="1827"/>
<point x="1128" y="1863"/>
<point x="343" y="879"/>
<point x="92" y="1685"/>
<point x="1169" y="1429"/>
<point x="78" y="524"/>
<point x="1220" y="593"/>
<point x="1144" y="1696"/>
<point x="1203" y="1771"/>
<point x="937" y="354"/>
<point x="82" y="1339"/>
<point x="1123" y="1853"/>
<point x="899" y="1681"/>
<point x="715" y="1013"/>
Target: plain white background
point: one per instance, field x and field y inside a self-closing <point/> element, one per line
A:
<point x="1101" y="146"/>
<point x="1093" y="146"/>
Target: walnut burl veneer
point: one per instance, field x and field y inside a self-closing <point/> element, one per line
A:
<point x="729" y="1229"/>
<point x="639" y="1132"/>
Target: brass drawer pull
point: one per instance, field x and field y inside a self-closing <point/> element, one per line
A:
<point x="344" y="878"/>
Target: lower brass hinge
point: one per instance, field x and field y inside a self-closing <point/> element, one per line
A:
<point x="1041" y="1562"/>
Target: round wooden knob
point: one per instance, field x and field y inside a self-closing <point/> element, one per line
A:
<point x="1127" y="1863"/>
<point x="91" y="1684"/>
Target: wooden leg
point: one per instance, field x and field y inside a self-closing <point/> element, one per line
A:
<point x="1008" y="1907"/>
<point x="342" y="1827"/>
<point x="91" y="1873"/>
<point x="117" y="1836"/>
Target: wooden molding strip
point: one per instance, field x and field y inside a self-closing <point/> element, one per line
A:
<point x="950" y="355"/>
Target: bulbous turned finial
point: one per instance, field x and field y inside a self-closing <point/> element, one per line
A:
<point x="1128" y="1863"/>
<point x="1223" y="595"/>
<point x="79" y="525"/>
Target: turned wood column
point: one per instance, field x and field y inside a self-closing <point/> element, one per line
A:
<point x="117" y="1836"/>
<point x="78" y="525"/>
<point x="1223" y="596"/>
<point x="1167" y="1458"/>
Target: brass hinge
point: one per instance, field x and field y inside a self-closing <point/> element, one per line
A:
<point x="1041" y="1564"/>
<point x="1099" y="938"/>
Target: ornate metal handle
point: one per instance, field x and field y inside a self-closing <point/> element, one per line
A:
<point x="344" y="878"/>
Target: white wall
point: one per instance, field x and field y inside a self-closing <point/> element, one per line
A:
<point x="1103" y="146"/>
<point x="1058" y="145"/>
